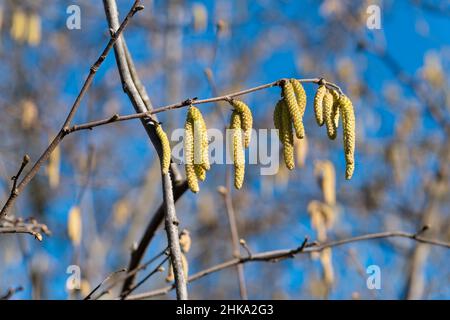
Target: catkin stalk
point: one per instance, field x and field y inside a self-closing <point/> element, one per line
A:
<point x="294" y="109"/>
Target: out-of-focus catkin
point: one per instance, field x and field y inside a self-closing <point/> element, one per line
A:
<point x="74" y="225"/>
<point x="287" y="137"/>
<point x="318" y="104"/>
<point x="184" y="264"/>
<point x="185" y="241"/>
<point x="328" y="115"/>
<point x="238" y="152"/>
<point x="34" y="29"/>
<point x="191" y="176"/>
<point x="326" y="177"/>
<point x="166" y="155"/>
<point x="293" y="108"/>
<point x="348" y="124"/>
<point x="246" y="119"/>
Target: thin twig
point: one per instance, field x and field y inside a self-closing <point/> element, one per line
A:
<point x="11" y="292"/>
<point x="304" y="248"/>
<point x="185" y="103"/>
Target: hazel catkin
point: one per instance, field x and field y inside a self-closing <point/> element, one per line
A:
<point x="287" y="137"/>
<point x="328" y="115"/>
<point x="335" y="109"/>
<point x="246" y="119"/>
<point x="166" y="151"/>
<point x="191" y="176"/>
<point x="293" y="108"/>
<point x="238" y="152"/>
<point x="318" y="107"/>
<point x="348" y="125"/>
<point x="201" y="154"/>
<point x="300" y="95"/>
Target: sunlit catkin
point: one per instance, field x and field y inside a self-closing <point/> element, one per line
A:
<point x="300" y="95"/>
<point x="238" y="152"/>
<point x="246" y="119"/>
<point x="287" y="137"/>
<point x="328" y="115"/>
<point x="166" y="151"/>
<point x="293" y="108"/>
<point x="335" y="110"/>
<point x="348" y="125"/>
<point x="201" y="143"/>
<point x="191" y="176"/>
<point x="318" y="101"/>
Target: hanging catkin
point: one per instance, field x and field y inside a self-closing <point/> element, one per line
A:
<point x="328" y="115"/>
<point x="287" y="137"/>
<point x="201" y="155"/>
<point x="165" y="163"/>
<point x="294" y="109"/>
<point x="335" y="110"/>
<point x="191" y="176"/>
<point x="238" y="152"/>
<point x="246" y="119"/>
<point x="348" y="124"/>
<point x="318" y="100"/>
<point x="300" y="95"/>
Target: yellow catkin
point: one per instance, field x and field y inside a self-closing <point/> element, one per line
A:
<point x="238" y="152"/>
<point x="294" y="109"/>
<point x="53" y="168"/>
<point x="184" y="264"/>
<point x="301" y="96"/>
<point x="327" y="265"/>
<point x="328" y="115"/>
<point x="287" y="138"/>
<point x="348" y="125"/>
<point x="246" y="119"/>
<point x="335" y="110"/>
<point x="74" y="225"/>
<point x="185" y="241"/>
<point x="34" y="29"/>
<point x="201" y="142"/>
<point x="191" y="176"/>
<point x="200" y="172"/>
<point x="165" y="163"/>
<point x="318" y="100"/>
<point x="18" y="27"/>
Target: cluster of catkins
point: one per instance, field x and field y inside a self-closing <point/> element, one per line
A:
<point x="329" y="106"/>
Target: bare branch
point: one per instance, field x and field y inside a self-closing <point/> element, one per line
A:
<point x="305" y="247"/>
